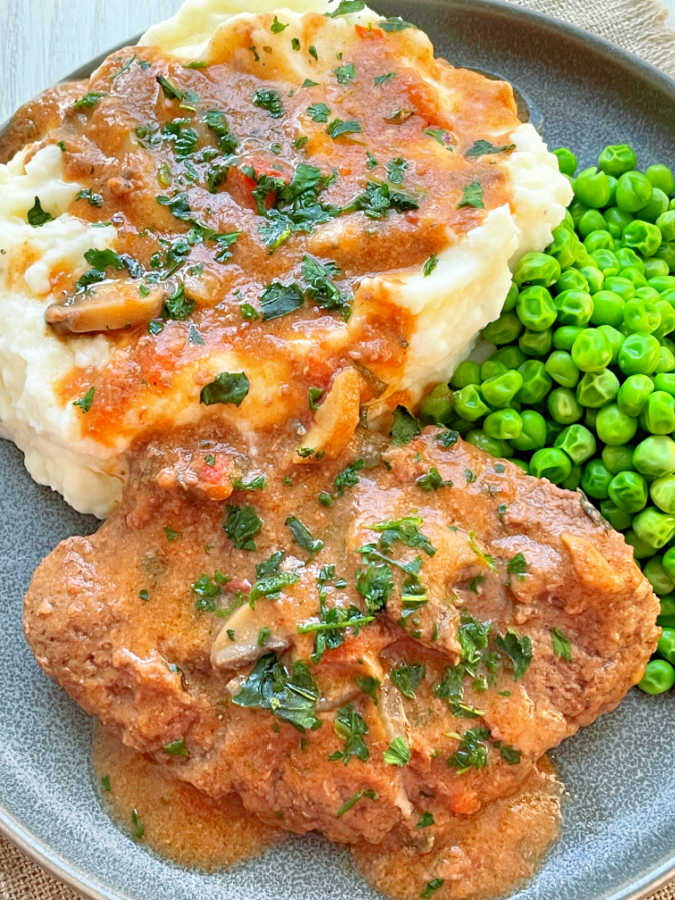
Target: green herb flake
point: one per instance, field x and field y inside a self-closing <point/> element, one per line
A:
<point x="144" y="595"/>
<point x="347" y="477"/>
<point x="315" y="394"/>
<point x="430" y="265"/>
<point x="171" y="534"/>
<point x="561" y="645"/>
<point x="92" y="198"/>
<point x="84" y="403"/>
<point x="280" y="299"/>
<point x="369" y="793"/>
<point x="228" y="387"/>
<point x="270" y="100"/>
<point x="312" y="52"/>
<point x="37" y="216"/>
<point x="257" y="483"/>
<point x="379" y="199"/>
<point x="89" y="100"/>
<point x="319" y="112"/>
<point x="169" y="90"/>
<point x="277" y="27"/>
<point x="178" y="306"/>
<point x="339" y="127"/>
<point x="517" y="566"/>
<point x="518" y="648"/>
<point x="345" y="74"/>
<point x="441" y="136"/>
<point x="368" y="685"/>
<point x="346" y="7"/>
<point x="302" y="535"/>
<point x="431" y="887"/>
<point x="195" y="64"/>
<point x="300" y="142"/>
<point x="308" y="83"/>
<point x="432" y="481"/>
<point x="382" y="79"/>
<point x="242" y="525"/>
<point x="509" y="754"/>
<point x="350" y="727"/>
<point x="105" y="784"/>
<point x="290" y="694"/>
<point x="482" y="148"/>
<point x="426" y="819"/>
<point x="138" y="828"/>
<point x="396" y="169"/>
<point x="321" y="289"/>
<point x="394" y="23"/>
<point x="375" y="584"/>
<point x="408" y="678"/>
<point x="405" y="427"/>
<point x="295" y="45"/>
<point x="472" y="751"/>
<point x="176" y="748"/>
<point x="397" y="753"/>
<point x="472" y="195"/>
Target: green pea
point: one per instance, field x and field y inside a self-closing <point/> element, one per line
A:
<point x="655" y="456"/>
<point x="535" y="343"/>
<point x="655" y="267"/>
<point x="564" y="406"/>
<point x="536" y="383"/>
<point x="501" y="389"/>
<point x="637" y="316"/>
<point x="668" y="602"/>
<point x="618" y="459"/>
<point x="503" y="424"/>
<point x="606" y="261"/>
<point x="656" y="206"/>
<point x="633" y="191"/>
<point x="616" y="517"/>
<point x="592" y="220"/>
<point x="616" y="159"/>
<point x="659" y="579"/>
<point x="628" y="258"/>
<point x="612" y="190"/>
<point x="490" y="368"/>
<point x="633" y="394"/>
<point x="535" y="308"/>
<point x="662" y="492"/>
<point x="641" y="549"/>
<point x="647" y="294"/>
<point x="564" y="336"/>
<point x="595" y="480"/>
<point x="666" y="252"/>
<point x="469" y="403"/>
<point x="615" y="427"/>
<point x="666" y="314"/>
<point x="577" y="442"/>
<point x="661" y="177"/>
<point x="551" y="463"/>
<point x="593" y="276"/>
<point x="665" y="381"/>
<point x="561" y="367"/>
<point x="574" y="307"/>
<point x="666" y="361"/>
<point x="571" y="279"/>
<point x="614" y="338"/>
<point x="616" y="220"/>
<point x="511" y="298"/>
<point x="536" y="268"/>
<point x="607" y="308"/>
<point x="628" y="491"/>
<point x="644" y="236"/>
<point x="597" y="388"/>
<point x="599" y="240"/>
<point x="666" y="225"/>
<point x="624" y="287"/>
<point x="668" y="563"/>
<point x="436" y="406"/>
<point x="662" y="283"/>
<point x="659" y="677"/>
<point x="533" y="433"/>
<point x="565" y="247"/>
<point x="591" y="187"/>
<point x="654" y="527"/>
<point x="639" y="354"/>
<point x="493" y="446"/>
<point x="634" y="274"/>
<point x="667" y="644"/>
<point x="503" y="330"/>
<point x="520" y="463"/>
<point x="511" y="357"/>
<point x="553" y="429"/>
<point x="591" y="351"/>
<point x="567" y="161"/>
<point x="658" y="416"/>
<point x="568" y="221"/>
<point x="467" y="372"/>
<point x="461" y="425"/>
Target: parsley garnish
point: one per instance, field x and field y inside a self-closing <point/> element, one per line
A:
<point x="280" y="299"/>
<point x="89" y="100"/>
<point x="377" y="200"/>
<point x="207" y="590"/>
<point x="394" y="23"/>
<point x="481" y="148"/>
<point x="472" y="751"/>
<point x="347" y="477"/>
<point x="431" y="887"/>
<point x="295" y="45"/>
<point x="397" y="753"/>
<point x="381" y="79"/>
<point x="441" y="136"/>
<point x="426" y="819"/>
<point x="338" y="127"/>
<point x="178" y="306"/>
<point x="432" y="481"/>
<point x="105" y="783"/>
<point x="228" y="387"/>
<point x="408" y="678"/>
<point x="396" y="169"/>
<point x="350" y="727"/>
<point x="369" y="793"/>
<point x="405" y="426"/>
<point x="144" y="594"/>
<point x="405" y="531"/>
<point x="510" y="754"/>
<point x="303" y="536"/>
<point x="472" y="195"/>
<point x="100" y="260"/>
<point x="447" y="438"/>
<point x="92" y="198"/>
<point x="346" y="7"/>
<point x="138" y="829"/>
<point x="170" y="91"/>
<point x="375" y="585"/>
<point x="430" y="265"/>
<point x="37" y="216"/>
<point x="272" y="585"/>
<point x="320" y="287"/>
<point x="290" y="694"/>
<point x="277" y="27"/>
<point x="184" y="139"/>
<point x="314" y="395"/>
<point x="176" y="748"/>
<point x="312" y="51"/>
<point x="257" y="483"/>
<point x="518" y="648"/>
<point x="319" y="112"/>
<point x="217" y="122"/>
<point x="86" y="400"/>
<point x="517" y="566"/>
<point x="241" y="526"/>
<point x="561" y="645"/>
<point x="270" y="100"/>
<point x="368" y="685"/>
<point x="345" y="74"/>
<point x="171" y="534"/>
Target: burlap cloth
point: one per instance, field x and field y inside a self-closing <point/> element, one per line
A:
<point x="639" y="26"/>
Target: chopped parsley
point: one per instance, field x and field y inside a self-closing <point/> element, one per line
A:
<point x="369" y="793"/>
<point x="350" y="727"/>
<point x="105" y="783"/>
<point x="405" y="426"/>
<point x="397" y="753"/>
<point x="319" y="112"/>
<point x="271" y="585"/>
<point x="482" y="148"/>
<point x="290" y="694"/>
<point x="37" y="216"/>
<point x="257" y="483"/>
<point x="280" y="299"/>
<point x="321" y="289"/>
<point x="138" y="828"/>
<point x="347" y="477"/>
<point x="144" y="594"/>
<point x="394" y="23"/>
<point x="269" y="99"/>
<point x="431" y="887"/>
<point x="405" y="531"/>
<point x="472" y="751"/>
<point x="228" y="387"/>
<point x="346" y="7"/>
<point x="561" y="645"/>
<point x="338" y="127"/>
<point x="207" y="590"/>
<point x="432" y="481"/>
<point x="171" y="534"/>
<point x="441" y="136"/>
<point x="377" y="200"/>
<point x="169" y="90"/>
<point x="472" y="195"/>
<point x="408" y="678"/>
<point x="242" y="525"/>
<point x="345" y="74"/>
<point x="314" y="395"/>
<point x="396" y="169"/>
<point x="375" y="585"/>
<point x="178" y="306"/>
<point x="430" y="265"/>
<point x="86" y="400"/>
<point x="302" y="535"/>
<point x="217" y="122"/>
<point x="426" y="819"/>
<point x="176" y="748"/>
<point x="368" y="685"/>
<point x="382" y="79"/>
<point x="89" y="100"/>
<point x="92" y="198"/>
<point x="277" y="27"/>
<point x="295" y="45"/>
<point x="447" y="438"/>
<point x="508" y="753"/>
<point x="518" y="648"/>
<point x="517" y="566"/>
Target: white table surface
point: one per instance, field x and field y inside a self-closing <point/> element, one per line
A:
<point x="43" y="40"/>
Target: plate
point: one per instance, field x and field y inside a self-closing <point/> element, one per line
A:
<point x="619" y="812"/>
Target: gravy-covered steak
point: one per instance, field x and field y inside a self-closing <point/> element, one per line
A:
<point x="347" y="643"/>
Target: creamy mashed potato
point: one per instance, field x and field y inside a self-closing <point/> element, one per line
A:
<point x="447" y="308"/>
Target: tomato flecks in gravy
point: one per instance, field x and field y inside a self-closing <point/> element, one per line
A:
<point x="173" y="818"/>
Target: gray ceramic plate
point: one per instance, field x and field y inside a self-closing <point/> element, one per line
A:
<point x="618" y="837"/>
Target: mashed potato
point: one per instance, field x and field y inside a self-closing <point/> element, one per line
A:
<point x="445" y="308"/>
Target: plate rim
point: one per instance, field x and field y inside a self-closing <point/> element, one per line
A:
<point x="78" y="879"/>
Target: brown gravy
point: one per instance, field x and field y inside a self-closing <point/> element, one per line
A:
<point x="483" y="856"/>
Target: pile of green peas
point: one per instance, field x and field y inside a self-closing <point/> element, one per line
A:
<point x="581" y="386"/>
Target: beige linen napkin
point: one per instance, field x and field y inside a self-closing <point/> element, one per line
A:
<point x="639" y="26"/>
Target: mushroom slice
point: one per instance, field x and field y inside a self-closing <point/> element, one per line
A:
<point x="337" y="418"/>
<point x="108" y="306"/>
<point x="237" y="644"/>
